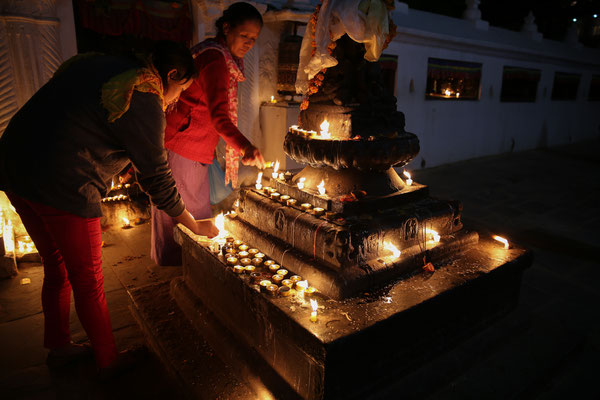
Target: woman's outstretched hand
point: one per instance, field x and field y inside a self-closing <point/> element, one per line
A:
<point x="206" y="227"/>
<point x="252" y="156"/>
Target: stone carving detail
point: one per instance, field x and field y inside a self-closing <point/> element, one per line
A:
<point x="280" y="220"/>
<point x="410" y="229"/>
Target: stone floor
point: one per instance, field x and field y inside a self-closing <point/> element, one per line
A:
<point x="547" y="348"/>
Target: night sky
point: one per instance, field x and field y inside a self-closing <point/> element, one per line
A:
<point x="553" y="17"/>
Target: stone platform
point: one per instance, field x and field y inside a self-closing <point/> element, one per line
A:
<point x="358" y="346"/>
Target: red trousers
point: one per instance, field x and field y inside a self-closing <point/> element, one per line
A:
<point x="70" y="248"/>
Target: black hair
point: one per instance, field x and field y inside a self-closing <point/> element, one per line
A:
<point x="236" y="14"/>
<point x="167" y="55"/>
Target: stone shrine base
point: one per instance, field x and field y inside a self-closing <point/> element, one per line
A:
<point x="359" y="346"/>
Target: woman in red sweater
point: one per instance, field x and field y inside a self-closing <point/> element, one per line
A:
<point x="206" y="111"/>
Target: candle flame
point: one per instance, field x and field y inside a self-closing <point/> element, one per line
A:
<point x="276" y="167"/>
<point x="314" y="304"/>
<point x="126" y="221"/>
<point x="409" y="181"/>
<point x="395" y="252"/>
<point x="302" y="285"/>
<point x="258" y="182"/>
<point x="325" y="130"/>
<point x="436" y="236"/>
<point x="447" y="92"/>
<point x="502" y="240"/>
<point x="220" y="224"/>
<point x="301" y="183"/>
<point x="321" y="187"/>
<point x="237" y="201"/>
<point x="273" y="99"/>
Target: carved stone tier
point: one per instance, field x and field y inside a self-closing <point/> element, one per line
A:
<point x="378" y="154"/>
<point x="344" y="256"/>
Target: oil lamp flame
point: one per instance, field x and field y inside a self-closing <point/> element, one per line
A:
<point x="301" y="183"/>
<point x="275" y="169"/>
<point x="409" y="181"/>
<point x="325" y="130"/>
<point x="447" y="92"/>
<point x="302" y="285"/>
<point x="395" y="252"/>
<point x="313" y="315"/>
<point x="220" y="224"/>
<point x="258" y="184"/>
<point x="126" y="221"/>
<point x="502" y="240"/>
<point x="321" y="187"/>
<point x="436" y="236"/>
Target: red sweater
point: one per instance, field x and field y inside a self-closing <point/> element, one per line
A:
<point x="202" y="113"/>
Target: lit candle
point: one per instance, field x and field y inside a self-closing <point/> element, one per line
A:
<point x="256" y="261"/>
<point x="268" y="263"/>
<point x="258" y="181"/>
<point x="273" y="99"/>
<point x="243" y="254"/>
<point x="395" y="252"/>
<point x="321" y="187"/>
<point x="287" y="282"/>
<point x="126" y="224"/>
<point x="275" y="196"/>
<point x="272" y="290"/>
<point x="245" y="261"/>
<point x="409" y="181"/>
<point x="243" y="247"/>
<point x="259" y="255"/>
<point x="275" y="169"/>
<point x="301" y="286"/>
<point x="291" y="202"/>
<point x="310" y="290"/>
<point x="282" y="272"/>
<point x="434" y="234"/>
<point x="284" y="198"/>
<point x="277" y="278"/>
<point x="295" y="278"/>
<point x="253" y="252"/>
<point x="250" y="269"/>
<point x="274" y="267"/>
<point x="237" y="243"/>
<point x="502" y="240"/>
<point x="301" y="183"/>
<point x="325" y="130"/>
<point x="313" y="314"/>
<point x="281" y="176"/>
<point x="305" y="206"/>
<point x="232" y="260"/>
<point x="238" y="269"/>
<point x="266" y="189"/>
<point x="263" y="284"/>
<point x="318" y="211"/>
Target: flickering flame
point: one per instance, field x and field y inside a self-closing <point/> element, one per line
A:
<point x="7" y="233"/>
<point x="314" y="304"/>
<point x="409" y="181"/>
<point x="112" y="185"/>
<point x="436" y="236"/>
<point x="237" y="201"/>
<point x="258" y="185"/>
<point x="325" y="130"/>
<point x="220" y="224"/>
<point x="321" y="187"/>
<point x="273" y="99"/>
<point x="275" y="169"/>
<point x="126" y="221"/>
<point x="395" y="252"/>
<point x="457" y="94"/>
<point x="301" y="183"/>
<point x="447" y="92"/>
<point x="302" y="285"/>
<point x="501" y="240"/>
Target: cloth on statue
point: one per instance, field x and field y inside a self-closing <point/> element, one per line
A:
<point x="192" y="182"/>
<point x="208" y="109"/>
<point x="365" y="21"/>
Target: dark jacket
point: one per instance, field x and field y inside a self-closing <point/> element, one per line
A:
<point x="60" y="150"/>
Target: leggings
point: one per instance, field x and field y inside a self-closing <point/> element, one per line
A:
<point x="70" y="248"/>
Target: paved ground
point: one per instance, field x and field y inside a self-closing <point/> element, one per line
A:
<point x="549" y="347"/>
